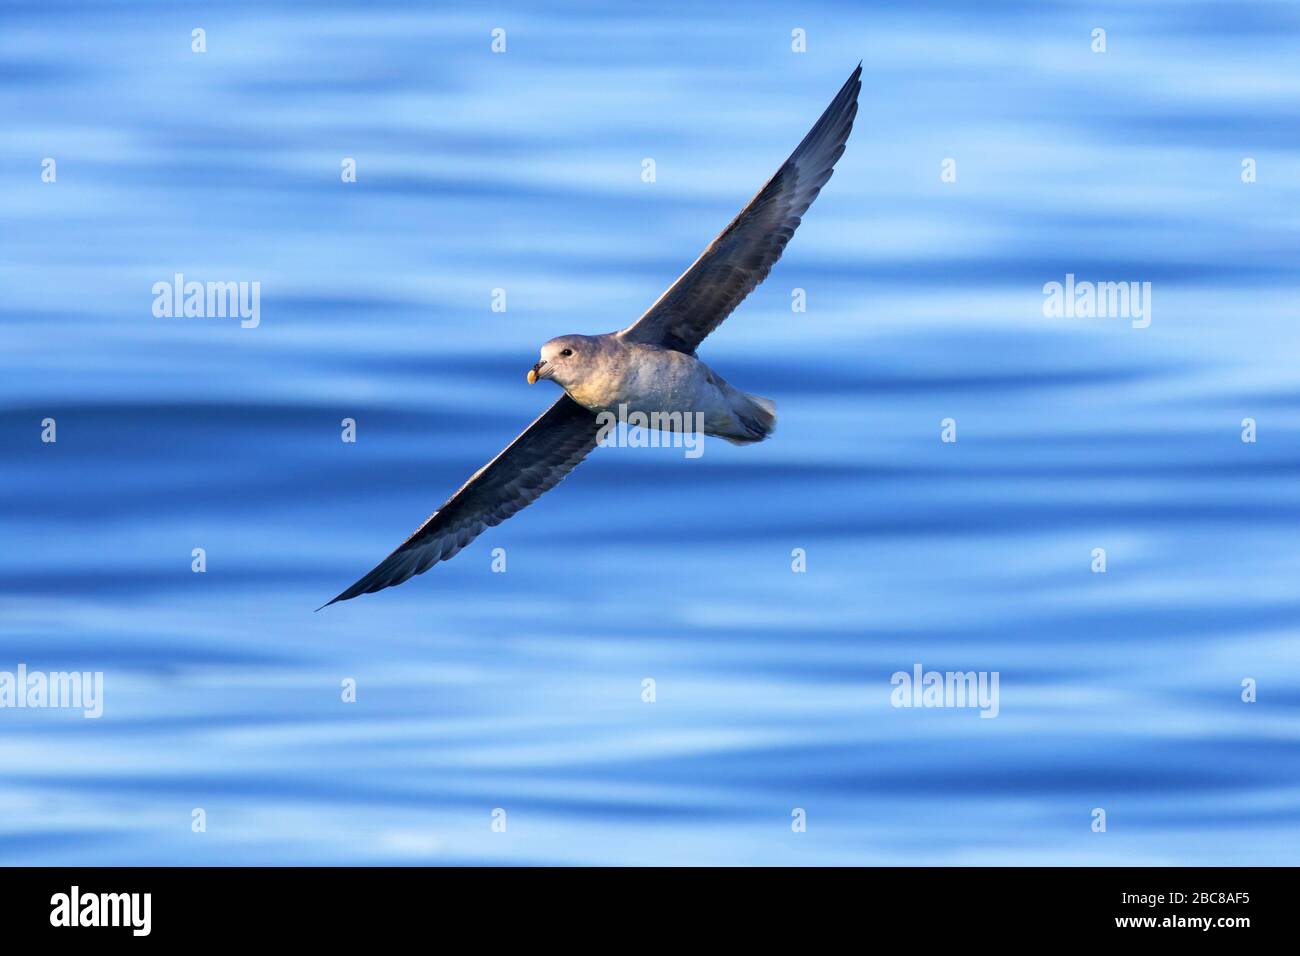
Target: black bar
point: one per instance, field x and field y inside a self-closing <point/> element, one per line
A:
<point x="208" y="905"/>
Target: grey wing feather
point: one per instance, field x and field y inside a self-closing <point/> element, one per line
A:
<point x="743" y="253"/>
<point x="530" y="466"/>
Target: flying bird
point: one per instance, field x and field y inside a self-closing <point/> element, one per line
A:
<point x="650" y="366"/>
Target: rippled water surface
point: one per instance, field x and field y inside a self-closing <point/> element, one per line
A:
<point x="523" y="691"/>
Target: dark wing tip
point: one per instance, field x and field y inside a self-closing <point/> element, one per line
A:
<point x="371" y="582"/>
<point x="836" y="121"/>
<point x="344" y="596"/>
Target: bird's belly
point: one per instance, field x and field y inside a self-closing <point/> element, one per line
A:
<point x="664" y="397"/>
<point x="677" y="384"/>
<point x="659" y="382"/>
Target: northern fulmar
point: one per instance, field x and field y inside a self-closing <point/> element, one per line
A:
<point x="648" y="367"/>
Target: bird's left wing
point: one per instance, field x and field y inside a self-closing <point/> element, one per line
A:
<point x="530" y="466"/>
<point x="743" y="254"/>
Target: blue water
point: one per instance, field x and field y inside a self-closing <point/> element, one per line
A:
<point x="522" y="691"/>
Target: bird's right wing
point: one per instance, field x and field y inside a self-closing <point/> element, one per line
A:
<point x="743" y="254"/>
<point x="530" y="466"/>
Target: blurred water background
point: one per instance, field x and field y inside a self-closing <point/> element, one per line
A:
<point x="523" y="690"/>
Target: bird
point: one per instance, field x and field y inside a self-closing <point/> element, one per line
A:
<point x="649" y="366"/>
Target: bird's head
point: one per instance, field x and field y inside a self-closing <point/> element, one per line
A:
<point x="562" y="359"/>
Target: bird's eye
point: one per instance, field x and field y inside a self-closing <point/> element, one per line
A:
<point x="567" y="352"/>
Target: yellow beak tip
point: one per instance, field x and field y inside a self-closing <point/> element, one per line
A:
<point x="532" y="376"/>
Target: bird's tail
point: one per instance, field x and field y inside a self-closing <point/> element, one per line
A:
<point x="754" y="418"/>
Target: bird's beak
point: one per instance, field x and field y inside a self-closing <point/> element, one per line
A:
<point x="533" y="373"/>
